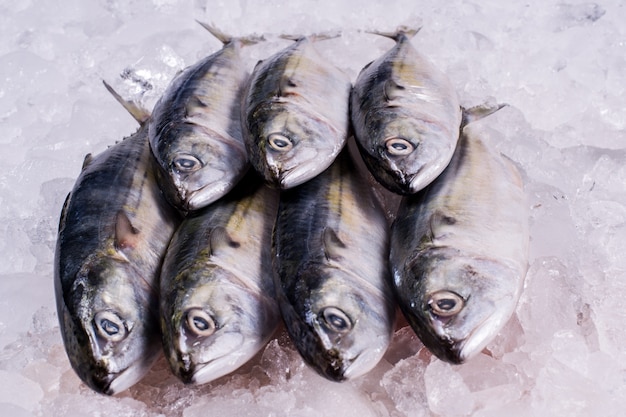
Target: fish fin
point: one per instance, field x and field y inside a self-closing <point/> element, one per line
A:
<point x="393" y="90"/>
<point x="139" y="113"/>
<point x="220" y="238"/>
<point x="66" y="204"/>
<point x="87" y="161"/>
<point x="513" y="169"/>
<point x="322" y="36"/>
<point x="478" y="112"/>
<point x="368" y="64"/>
<point x="332" y="244"/>
<point x="439" y="222"/>
<point x="126" y="235"/>
<point x="195" y="106"/>
<point x="286" y="86"/>
<point x="401" y="32"/>
<point x="226" y="39"/>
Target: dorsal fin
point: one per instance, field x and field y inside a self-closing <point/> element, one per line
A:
<point x="332" y="244"/>
<point x="402" y="32"/>
<point x="66" y="204"/>
<point x="126" y="235"/>
<point x="219" y="238"/>
<point x="139" y="113"/>
<point x="226" y="39"/>
<point x="478" y="112"/>
<point x="86" y="161"/>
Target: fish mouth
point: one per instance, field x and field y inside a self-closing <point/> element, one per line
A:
<point x="285" y="178"/>
<point x="458" y="351"/>
<point x="201" y="373"/>
<point x="206" y="195"/>
<point x="480" y="337"/>
<point x="362" y="363"/>
<point x="209" y="371"/>
<point x="191" y="371"/>
<point x="211" y="191"/>
<point x="332" y="365"/>
<point x="273" y="176"/>
<point x="111" y="383"/>
<point x="423" y="177"/>
<point x="292" y="177"/>
<point x="124" y="379"/>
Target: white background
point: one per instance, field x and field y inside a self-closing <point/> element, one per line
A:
<point x="560" y="65"/>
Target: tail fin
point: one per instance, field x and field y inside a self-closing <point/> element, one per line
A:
<point x="478" y="112"/>
<point x="226" y="39"/>
<point x="139" y="113"/>
<point x="322" y="36"/>
<point x="402" y="32"/>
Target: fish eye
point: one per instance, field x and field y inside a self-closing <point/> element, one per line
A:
<point x="446" y="303"/>
<point x="110" y="326"/>
<point x="336" y="320"/>
<point x="279" y="142"/>
<point x="200" y="323"/>
<point x="398" y="146"/>
<point x="184" y="163"/>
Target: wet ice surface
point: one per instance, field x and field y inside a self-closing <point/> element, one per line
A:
<point x="560" y="66"/>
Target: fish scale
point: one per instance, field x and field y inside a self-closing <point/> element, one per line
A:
<point x="195" y="133"/>
<point x="329" y="250"/>
<point x="459" y="250"/>
<point x="217" y="304"/>
<point x="113" y="231"/>
<point x="295" y="115"/>
<point x="406" y="117"/>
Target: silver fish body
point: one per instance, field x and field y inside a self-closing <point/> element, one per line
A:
<point x="459" y="251"/>
<point x="295" y="115"/>
<point x="113" y="232"/>
<point x="195" y="132"/>
<point x="406" y="117"/>
<point x="217" y="292"/>
<point x="330" y="247"/>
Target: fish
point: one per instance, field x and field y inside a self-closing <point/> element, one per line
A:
<point x="195" y="130"/>
<point x="113" y="231"/>
<point x="329" y="252"/>
<point x="406" y="116"/>
<point x="459" y="249"/>
<point x="295" y="114"/>
<point x="217" y="291"/>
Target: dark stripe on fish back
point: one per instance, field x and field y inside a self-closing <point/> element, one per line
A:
<point x="304" y="213"/>
<point x="103" y="187"/>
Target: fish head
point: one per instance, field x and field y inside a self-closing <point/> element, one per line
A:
<point x="197" y="166"/>
<point x="455" y="302"/>
<point x="405" y="153"/>
<point x="340" y="328"/>
<point x="291" y="144"/>
<point x="109" y="325"/>
<point x="210" y="330"/>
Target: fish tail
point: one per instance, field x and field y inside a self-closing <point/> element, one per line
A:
<point x="401" y="32"/>
<point x="138" y="112"/>
<point x="322" y="36"/>
<point x="478" y="112"/>
<point x="226" y="39"/>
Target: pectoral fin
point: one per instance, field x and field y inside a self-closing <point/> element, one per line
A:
<point x="126" y="235"/>
<point x="332" y="244"/>
<point x="478" y="112"/>
<point x="219" y="239"/>
<point x="440" y="223"/>
<point x="393" y="90"/>
<point x="287" y="86"/>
